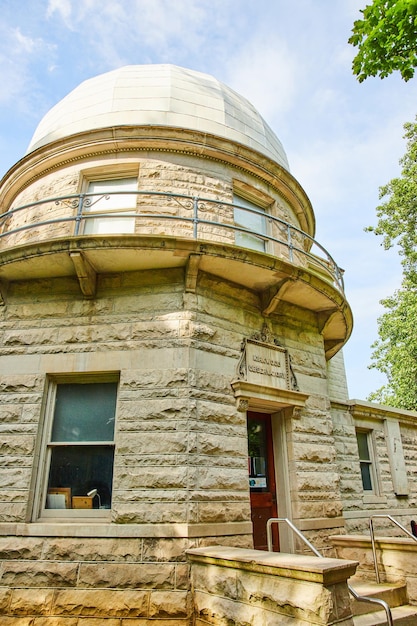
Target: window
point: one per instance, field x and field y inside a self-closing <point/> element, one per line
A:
<point x="365" y="460"/>
<point x="250" y="217"/>
<point x="110" y="196"/>
<point x="79" y="447"/>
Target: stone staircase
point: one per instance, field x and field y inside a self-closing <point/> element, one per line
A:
<point x="367" y="614"/>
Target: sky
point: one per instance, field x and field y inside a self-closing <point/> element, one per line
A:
<point x="291" y="59"/>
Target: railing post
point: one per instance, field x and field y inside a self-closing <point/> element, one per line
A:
<point x="289" y="239"/>
<point x="371" y="531"/>
<point x="195" y="216"/>
<point x="79" y="215"/>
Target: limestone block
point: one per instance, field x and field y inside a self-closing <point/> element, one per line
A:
<point x="151" y="443"/>
<point x="141" y="497"/>
<point x="17" y="477"/>
<point x="39" y="574"/>
<point x="322" y="482"/>
<point x="150" y="513"/>
<point x="234" y="541"/>
<point x="5" y="596"/>
<point x="212" y="512"/>
<point x="13" y="512"/>
<point x="162" y="409"/>
<point x="218" y="611"/>
<point x="211" y="381"/>
<point x="139" y="379"/>
<point x="308" y="601"/>
<point x="31" y="602"/>
<point x="19" y="384"/>
<point x="166" y="549"/>
<point x="214" y="580"/>
<point x="104" y="603"/>
<point x="168" y="604"/>
<point x="314" y="452"/>
<point x="44" y="309"/>
<point x="217" y="478"/>
<point x="216" y="416"/>
<point x="18" y="413"/>
<point x="313" y="425"/>
<point x="152" y="302"/>
<point x="222" y="445"/>
<point x="17" y="444"/>
<point x="44" y="621"/>
<point x="94" y="549"/>
<point x="152" y="477"/>
<point x="127" y="575"/>
<point x="33" y="337"/>
<point x="24" y="548"/>
<point x="182" y="576"/>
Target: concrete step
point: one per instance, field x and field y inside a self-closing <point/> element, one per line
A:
<point x="394" y="594"/>
<point x="405" y="615"/>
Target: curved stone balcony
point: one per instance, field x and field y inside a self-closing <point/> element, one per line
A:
<point x="86" y="235"/>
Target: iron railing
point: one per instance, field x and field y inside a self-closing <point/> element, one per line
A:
<point x="371" y="530"/>
<point x="151" y="211"/>
<point x="359" y="598"/>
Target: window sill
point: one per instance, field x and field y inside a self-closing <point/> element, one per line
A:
<point x="95" y="527"/>
<point x="374" y="499"/>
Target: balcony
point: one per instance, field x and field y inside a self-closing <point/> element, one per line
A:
<point x="86" y="235"/>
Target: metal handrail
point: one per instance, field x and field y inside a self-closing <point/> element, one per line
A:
<point x="77" y="209"/>
<point x="355" y="594"/>
<point x="371" y="530"/>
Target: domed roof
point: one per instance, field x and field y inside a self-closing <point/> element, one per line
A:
<point x="159" y="95"/>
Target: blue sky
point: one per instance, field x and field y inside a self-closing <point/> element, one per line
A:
<point x="290" y="59"/>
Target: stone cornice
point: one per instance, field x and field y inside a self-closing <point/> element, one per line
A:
<point x="369" y="410"/>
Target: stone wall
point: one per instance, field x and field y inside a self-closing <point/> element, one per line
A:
<point x="358" y="504"/>
<point x="176" y="417"/>
<point x="71" y="580"/>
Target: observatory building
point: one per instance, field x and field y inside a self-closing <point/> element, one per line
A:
<point x="171" y="368"/>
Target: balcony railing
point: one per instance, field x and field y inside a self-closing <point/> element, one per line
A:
<point x="165" y="214"/>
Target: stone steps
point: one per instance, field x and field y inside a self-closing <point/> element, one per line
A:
<point x="367" y="614"/>
<point x="405" y="615"/>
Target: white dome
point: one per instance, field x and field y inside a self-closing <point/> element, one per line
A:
<point x="159" y="95"/>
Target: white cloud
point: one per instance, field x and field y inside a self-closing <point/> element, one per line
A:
<point x="266" y="72"/>
<point x="62" y="7"/>
<point x="17" y="53"/>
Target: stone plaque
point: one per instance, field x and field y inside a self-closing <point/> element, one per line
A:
<point x="265" y="364"/>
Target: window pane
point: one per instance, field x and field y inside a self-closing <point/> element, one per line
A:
<point x="362" y="439"/>
<point x="116" y="201"/>
<point x="84" y="412"/>
<point x="252" y="221"/>
<point x="257" y="455"/>
<point x="366" y="476"/>
<point x="81" y="469"/>
<point x="249" y="241"/>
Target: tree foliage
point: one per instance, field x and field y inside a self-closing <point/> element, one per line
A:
<point x="386" y="39"/>
<point x="395" y="352"/>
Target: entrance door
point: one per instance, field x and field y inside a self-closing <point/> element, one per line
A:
<point x="263" y="497"/>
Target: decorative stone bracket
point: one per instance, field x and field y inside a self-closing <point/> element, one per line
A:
<point x="86" y="274"/>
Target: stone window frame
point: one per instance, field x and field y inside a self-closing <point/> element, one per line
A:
<point x="40" y="512"/>
<point x="369" y="494"/>
<point x="108" y="172"/>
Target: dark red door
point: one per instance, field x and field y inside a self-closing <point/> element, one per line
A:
<point x="262" y="479"/>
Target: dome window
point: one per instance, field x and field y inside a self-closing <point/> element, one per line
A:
<point x="109" y="208"/>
